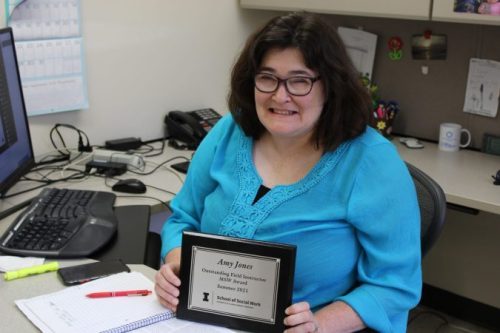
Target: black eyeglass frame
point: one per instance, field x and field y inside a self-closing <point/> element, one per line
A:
<point x="285" y="81"/>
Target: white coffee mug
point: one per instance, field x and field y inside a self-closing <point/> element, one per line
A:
<point x="450" y="135"/>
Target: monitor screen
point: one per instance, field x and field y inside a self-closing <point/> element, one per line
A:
<point x="16" y="152"/>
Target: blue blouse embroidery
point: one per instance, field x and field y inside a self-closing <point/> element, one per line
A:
<point x="244" y="218"/>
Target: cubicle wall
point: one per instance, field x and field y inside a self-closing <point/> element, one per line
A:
<point x="147" y="57"/>
<point x="428" y="100"/>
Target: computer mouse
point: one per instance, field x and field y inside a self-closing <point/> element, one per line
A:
<point x="131" y="185"/>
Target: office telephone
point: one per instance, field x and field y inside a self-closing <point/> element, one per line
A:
<point x="190" y="127"/>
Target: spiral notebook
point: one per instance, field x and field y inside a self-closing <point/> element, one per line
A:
<point x="70" y="311"/>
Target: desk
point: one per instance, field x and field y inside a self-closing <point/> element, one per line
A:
<point x="464" y="261"/>
<point x="130" y="208"/>
<point x="14" y="320"/>
<point x="163" y="178"/>
<point x="465" y="176"/>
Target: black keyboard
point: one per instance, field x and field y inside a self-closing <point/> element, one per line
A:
<point x="62" y="223"/>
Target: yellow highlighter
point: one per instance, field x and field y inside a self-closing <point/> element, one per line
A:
<point x="50" y="267"/>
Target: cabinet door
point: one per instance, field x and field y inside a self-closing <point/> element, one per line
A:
<point x="404" y="9"/>
<point x="443" y="10"/>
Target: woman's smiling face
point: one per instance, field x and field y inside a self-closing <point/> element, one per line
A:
<point x="282" y="114"/>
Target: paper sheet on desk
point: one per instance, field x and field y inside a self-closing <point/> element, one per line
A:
<point x="483" y="87"/>
<point x="175" y="325"/>
<point x="12" y="263"/>
<point x="70" y="311"/>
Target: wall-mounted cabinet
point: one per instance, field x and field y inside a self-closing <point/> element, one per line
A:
<point x="403" y="9"/>
<point x="443" y="10"/>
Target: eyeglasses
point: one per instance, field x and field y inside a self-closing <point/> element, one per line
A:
<point x="296" y="86"/>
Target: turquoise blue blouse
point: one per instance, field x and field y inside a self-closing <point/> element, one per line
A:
<point x="354" y="219"/>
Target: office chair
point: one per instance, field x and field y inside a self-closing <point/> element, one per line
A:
<point x="432" y="202"/>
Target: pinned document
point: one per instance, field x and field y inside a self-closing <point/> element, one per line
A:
<point x="483" y="87"/>
<point x="361" y="46"/>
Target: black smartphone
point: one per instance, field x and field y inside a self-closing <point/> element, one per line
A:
<point x="181" y="166"/>
<point x="83" y="273"/>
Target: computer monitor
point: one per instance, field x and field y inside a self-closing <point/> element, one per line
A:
<point x="16" y="151"/>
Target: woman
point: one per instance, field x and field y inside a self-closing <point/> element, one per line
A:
<point x="297" y="163"/>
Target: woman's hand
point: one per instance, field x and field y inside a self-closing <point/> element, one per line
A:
<point x="300" y="319"/>
<point x="167" y="281"/>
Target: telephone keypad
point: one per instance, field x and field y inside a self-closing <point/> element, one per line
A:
<point x="206" y="117"/>
<point x="207" y="114"/>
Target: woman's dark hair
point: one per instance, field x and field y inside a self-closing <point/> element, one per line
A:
<point x="347" y="110"/>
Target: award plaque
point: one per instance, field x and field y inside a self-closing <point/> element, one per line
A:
<point x="234" y="282"/>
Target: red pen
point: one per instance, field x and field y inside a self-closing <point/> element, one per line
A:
<point x="141" y="292"/>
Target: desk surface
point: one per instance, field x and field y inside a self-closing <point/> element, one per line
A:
<point x="133" y="242"/>
<point x="13" y="320"/>
<point x="164" y="178"/>
<point x="465" y="176"/>
<point x="38" y="285"/>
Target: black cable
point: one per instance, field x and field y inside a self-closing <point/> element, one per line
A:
<point x="80" y="175"/>
<point x="81" y="146"/>
<point x="159" y="165"/>
<point x="135" y="196"/>
<point x="25" y="191"/>
<point x="75" y="158"/>
<point x="50" y="168"/>
<point x="54" y="129"/>
<point x="154" y="140"/>
<point x="147" y="149"/>
<point x="157" y="188"/>
<point x="15" y="208"/>
<point x="54" y="159"/>
<point x="144" y="197"/>
<point x="160" y="152"/>
<point x="77" y="175"/>
<point x="162" y="189"/>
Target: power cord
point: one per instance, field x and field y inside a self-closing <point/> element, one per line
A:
<point x="81" y="146"/>
<point x="77" y="175"/>
<point x="159" y="165"/>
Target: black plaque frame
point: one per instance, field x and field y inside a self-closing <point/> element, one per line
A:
<point x="284" y="254"/>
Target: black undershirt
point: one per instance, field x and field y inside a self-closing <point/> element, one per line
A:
<point x="260" y="193"/>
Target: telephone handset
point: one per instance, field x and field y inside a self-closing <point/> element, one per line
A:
<point x="190" y="127"/>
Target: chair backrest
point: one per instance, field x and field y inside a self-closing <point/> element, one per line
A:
<point x="432" y="202"/>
